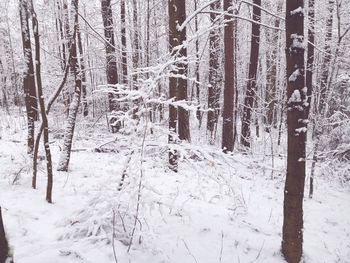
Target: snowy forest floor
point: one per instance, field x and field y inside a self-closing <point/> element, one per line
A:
<point x="218" y="208"/>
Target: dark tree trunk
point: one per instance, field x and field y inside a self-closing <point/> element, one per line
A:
<point x="4" y="250"/>
<point x="111" y="62"/>
<point x="136" y="50"/>
<point x="66" y="91"/>
<point x="73" y="111"/>
<point x="253" y="68"/>
<point x="215" y="75"/>
<point x="42" y="107"/>
<point x="178" y="86"/>
<point x="297" y="109"/>
<point x="227" y="126"/>
<point x="309" y="75"/>
<point x="28" y="78"/>
<point x="123" y="38"/>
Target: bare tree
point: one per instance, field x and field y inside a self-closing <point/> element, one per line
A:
<point x="229" y="42"/>
<point x="178" y="85"/>
<point x="253" y="68"/>
<point x="3" y="241"/>
<point x="111" y="62"/>
<point x="297" y="115"/>
<point x="42" y="106"/>
<point x="73" y="111"/>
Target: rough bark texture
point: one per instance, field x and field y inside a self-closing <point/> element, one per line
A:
<point x="73" y="111"/>
<point x="253" y="68"/>
<point x="177" y="86"/>
<point x="297" y="106"/>
<point x="123" y="39"/>
<point x="111" y="62"/>
<point x="28" y="76"/>
<point x="215" y="76"/>
<point x="227" y="126"/>
<point x="3" y="241"/>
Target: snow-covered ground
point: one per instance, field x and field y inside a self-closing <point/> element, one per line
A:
<point x="218" y="208"/>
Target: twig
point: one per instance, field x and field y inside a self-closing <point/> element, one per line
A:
<point x="113" y="246"/>
<point x="189" y="252"/>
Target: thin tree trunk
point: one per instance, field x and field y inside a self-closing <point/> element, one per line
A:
<point x="227" y="126"/>
<point x="253" y="68"/>
<point x="123" y="38"/>
<point x="292" y="235"/>
<point x="83" y="74"/>
<point x="73" y="111"/>
<point x="198" y="112"/>
<point x="42" y="107"/>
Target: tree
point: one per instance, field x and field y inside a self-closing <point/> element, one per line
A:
<point x="3" y="241"/>
<point x="253" y="68"/>
<point x="227" y="115"/>
<point x="28" y="78"/>
<point x="178" y="119"/>
<point x="42" y="106"/>
<point x="297" y="95"/>
<point x="215" y="75"/>
<point x="74" y="106"/>
<point x="111" y="62"/>
<point x="123" y="40"/>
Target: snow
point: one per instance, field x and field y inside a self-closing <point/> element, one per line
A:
<point x="218" y="208"/>
<point x="295" y="97"/>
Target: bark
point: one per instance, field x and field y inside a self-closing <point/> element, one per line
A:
<point x="309" y="80"/>
<point x="66" y="91"/>
<point x="4" y="250"/>
<point x="73" y="111"/>
<point x="83" y="74"/>
<point x="227" y="126"/>
<point x="178" y="86"/>
<point x="111" y="63"/>
<point x="197" y="84"/>
<point x="123" y="39"/>
<point x="253" y="68"/>
<point x="297" y="109"/>
<point x="28" y="78"/>
<point x="3" y="87"/>
<point x="215" y="76"/>
<point x="42" y="108"/>
<point x="136" y="50"/>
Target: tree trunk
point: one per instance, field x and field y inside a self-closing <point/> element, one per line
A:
<point x="123" y="38"/>
<point x="215" y="75"/>
<point x="177" y="86"/>
<point x="83" y="74"/>
<point x="4" y="250"/>
<point x="227" y="126"/>
<point x="253" y="68"/>
<point x="292" y="236"/>
<point x="42" y="107"/>
<point x="73" y="111"/>
<point x="28" y="78"/>
<point x="111" y="62"/>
